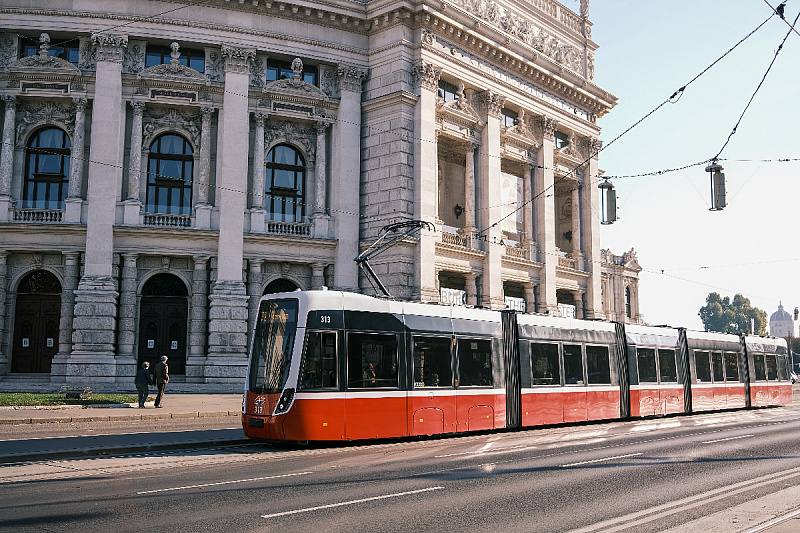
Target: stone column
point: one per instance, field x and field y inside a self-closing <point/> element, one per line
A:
<point x="546" y="217"/>
<point x="469" y="192"/>
<point x="4" y="366"/>
<point x="198" y="324"/>
<point x="577" y="297"/>
<point x="472" y="289"/>
<point x="7" y="158"/>
<point x="320" y="219"/>
<point x="529" y="242"/>
<point x="74" y="202"/>
<point x="254" y="293"/>
<point x="202" y="209"/>
<point x="426" y="179"/>
<point x="591" y="233"/>
<point x="227" y="329"/>
<point x="126" y="356"/>
<point x="346" y="154"/>
<point x="95" y="322"/>
<point x="491" y="201"/>
<point x="576" y="227"/>
<point x="257" y="211"/>
<point x="317" y="275"/>
<point x="133" y="203"/>
<point x="72" y="267"/>
<point x="530" y="297"/>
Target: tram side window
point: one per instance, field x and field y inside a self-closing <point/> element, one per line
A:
<point x="783" y="374"/>
<point x="432" y="365"/>
<point x="597" y="365"/>
<point x="761" y="369"/>
<point x="717" y="367"/>
<point x="772" y="367"/>
<point x="544" y="364"/>
<point x="474" y="362"/>
<point x="371" y="361"/>
<point x="702" y="365"/>
<point x="646" y="359"/>
<point x="666" y="364"/>
<point x="573" y="364"/>
<point x="731" y="366"/>
<point x="319" y="361"/>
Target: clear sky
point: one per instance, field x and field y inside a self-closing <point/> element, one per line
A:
<point x="648" y="50"/>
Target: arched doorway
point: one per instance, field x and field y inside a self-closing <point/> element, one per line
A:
<point x="36" y="322"/>
<point x="280" y="285"/>
<point x="163" y="318"/>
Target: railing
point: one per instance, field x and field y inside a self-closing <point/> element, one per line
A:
<point x="567" y="262"/>
<point x="167" y="221"/>
<point x="37" y="215"/>
<point x="517" y="253"/>
<point x="288" y="228"/>
<point x="454" y="240"/>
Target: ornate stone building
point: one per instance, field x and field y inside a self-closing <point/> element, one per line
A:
<point x="781" y="323"/>
<point x="162" y="169"/>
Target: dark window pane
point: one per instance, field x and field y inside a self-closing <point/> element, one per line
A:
<point x="772" y="367"/>
<point x="731" y="366"/>
<point x="573" y="364"/>
<point x="474" y="362"/>
<point x="666" y="364"/>
<point x="432" y="362"/>
<point x="371" y="360"/>
<point x="319" y="367"/>
<point x="598" y="365"/>
<point x="703" y="367"/>
<point x="761" y="368"/>
<point x="544" y="364"/>
<point x="646" y="360"/>
<point x="717" y="367"/>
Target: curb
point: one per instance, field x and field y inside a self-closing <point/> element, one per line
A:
<point x="116" y="418"/>
<point x="119" y="450"/>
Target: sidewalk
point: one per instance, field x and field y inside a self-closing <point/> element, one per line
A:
<point x="53" y="439"/>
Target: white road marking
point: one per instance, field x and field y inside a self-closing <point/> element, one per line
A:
<point x="601" y="460"/>
<point x="729" y="438"/>
<point x="218" y="483"/>
<point x="351" y="502"/>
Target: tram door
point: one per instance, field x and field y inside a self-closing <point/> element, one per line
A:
<point x="163" y="319"/>
<point x="36" y="323"/>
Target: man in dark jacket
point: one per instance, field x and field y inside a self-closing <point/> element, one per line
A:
<point x="162" y="378"/>
<point x="143" y="381"/>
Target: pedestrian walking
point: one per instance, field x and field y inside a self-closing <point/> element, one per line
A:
<point x="162" y="378"/>
<point x="143" y="381"/>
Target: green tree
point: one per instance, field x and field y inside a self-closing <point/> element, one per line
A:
<point x="726" y="316"/>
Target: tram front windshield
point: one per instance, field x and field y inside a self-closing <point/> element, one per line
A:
<point x="275" y="332"/>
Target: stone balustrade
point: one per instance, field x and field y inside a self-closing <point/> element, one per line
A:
<point x="38" y="215"/>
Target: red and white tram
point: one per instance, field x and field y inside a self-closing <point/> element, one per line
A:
<point x="334" y="366"/>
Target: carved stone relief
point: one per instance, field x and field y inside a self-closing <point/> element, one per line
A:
<point x="523" y="29"/>
<point x="134" y="59"/>
<point x="31" y="115"/>
<point x="43" y="60"/>
<point x="173" y="70"/>
<point x="258" y="71"/>
<point x="214" y="68"/>
<point x="295" y="85"/>
<point x="327" y="82"/>
<point x="9" y="50"/>
<point x="304" y="135"/>
<point x="155" y="120"/>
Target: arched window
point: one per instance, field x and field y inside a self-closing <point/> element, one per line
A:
<point x="46" y="170"/>
<point x="286" y="174"/>
<point x="169" y="176"/>
<point x="280" y="285"/>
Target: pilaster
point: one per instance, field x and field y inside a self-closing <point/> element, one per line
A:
<point x="591" y="234"/>
<point x="346" y="150"/>
<point x="198" y="322"/>
<point x="7" y="158"/>
<point x="72" y="265"/>
<point x="257" y="211"/>
<point x="426" y="179"/>
<point x="544" y="180"/>
<point x="4" y="366"/>
<point x="126" y="357"/>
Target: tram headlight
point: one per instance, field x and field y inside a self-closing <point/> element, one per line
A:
<point x="285" y="402"/>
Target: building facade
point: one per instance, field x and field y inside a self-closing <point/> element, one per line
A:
<point x="781" y="323"/>
<point x="160" y="171"/>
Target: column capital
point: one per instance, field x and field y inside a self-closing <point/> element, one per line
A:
<point x="547" y="126"/>
<point x="206" y="112"/>
<point x="350" y="77"/>
<point x="322" y="127"/>
<point x="491" y="103"/>
<point x="9" y="100"/>
<point x="426" y="75"/>
<point x="110" y="47"/>
<point x="138" y="108"/>
<point x="237" y="60"/>
<point x="80" y="104"/>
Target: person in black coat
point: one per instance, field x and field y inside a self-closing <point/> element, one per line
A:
<point x="162" y="378"/>
<point x="143" y="382"/>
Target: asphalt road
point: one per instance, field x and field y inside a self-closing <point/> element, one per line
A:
<point x="729" y="471"/>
